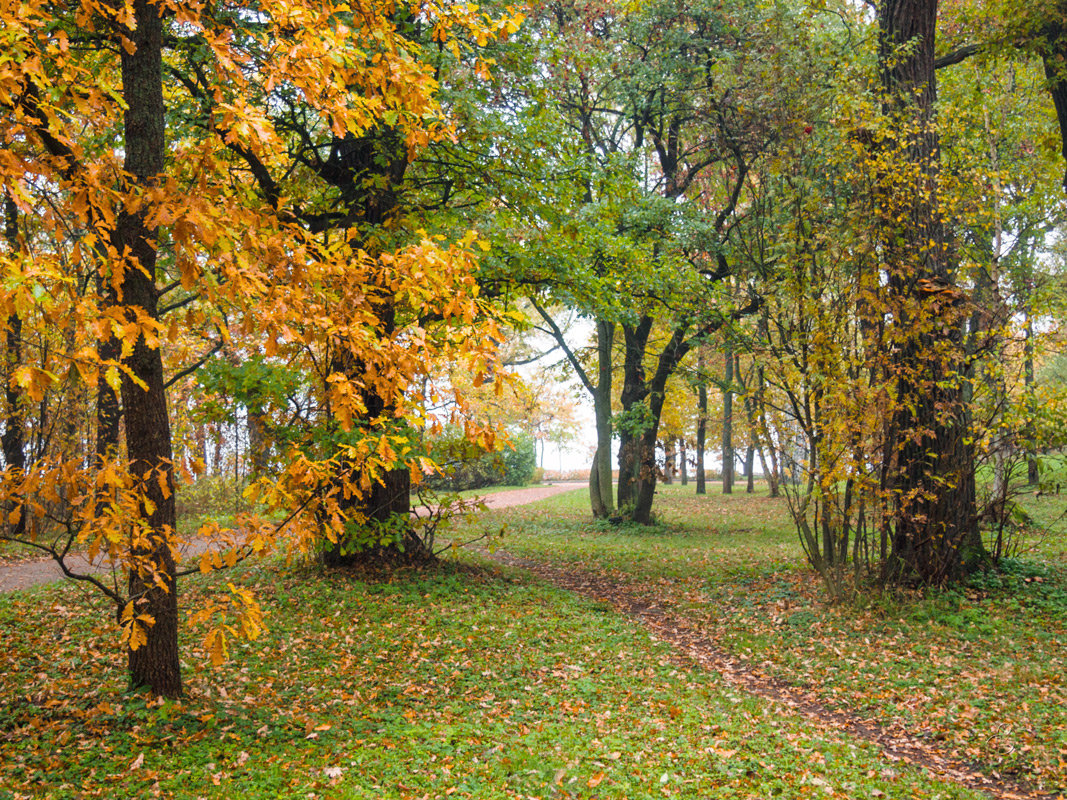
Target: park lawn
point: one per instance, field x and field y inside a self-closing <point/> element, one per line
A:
<point x="979" y="669"/>
<point x="455" y="682"/>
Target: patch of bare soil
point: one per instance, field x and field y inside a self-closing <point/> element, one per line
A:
<point x="696" y="648"/>
<point x="531" y="494"/>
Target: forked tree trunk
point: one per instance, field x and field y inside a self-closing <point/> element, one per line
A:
<point x="633" y="394"/>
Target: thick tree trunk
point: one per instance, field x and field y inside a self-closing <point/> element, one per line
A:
<point x="635" y="417"/>
<point x="935" y="526"/>
<point x="154" y="665"/>
<point x="14" y="441"/>
<point x="1055" y="62"/>
<point x="656" y="392"/>
<point x="14" y="437"/>
<point x="387" y="504"/>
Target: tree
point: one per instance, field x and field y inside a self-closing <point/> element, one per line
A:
<point x="148" y="202"/>
<point x="930" y="464"/>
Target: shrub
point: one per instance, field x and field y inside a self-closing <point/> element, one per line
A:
<point x="466" y="466"/>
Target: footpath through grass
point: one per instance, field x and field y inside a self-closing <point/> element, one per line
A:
<point x="979" y="669"/>
<point x="458" y="682"/>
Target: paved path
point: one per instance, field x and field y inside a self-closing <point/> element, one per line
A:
<point x="18" y="575"/>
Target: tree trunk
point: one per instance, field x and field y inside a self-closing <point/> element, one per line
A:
<point x="771" y="470"/>
<point x="683" y="459"/>
<point x="935" y="527"/>
<point x="656" y="392"/>
<point x="702" y="427"/>
<point x="600" y="483"/>
<point x="1033" y="474"/>
<point x="670" y="458"/>
<point x="258" y="441"/>
<point x="387" y="503"/>
<point x="635" y="418"/>
<point x="14" y="437"/>
<point x="1055" y="62"/>
<point x="728" y="425"/>
<point x="154" y="665"/>
<point x="200" y="443"/>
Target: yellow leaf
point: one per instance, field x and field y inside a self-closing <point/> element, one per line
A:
<point x="113" y="379"/>
<point x="215" y="644"/>
<point x="164" y="483"/>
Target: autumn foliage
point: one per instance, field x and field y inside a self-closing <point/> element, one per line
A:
<point x="158" y="210"/>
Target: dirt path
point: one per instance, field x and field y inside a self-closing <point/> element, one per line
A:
<point x="696" y="648"/>
<point x="17" y="575"/>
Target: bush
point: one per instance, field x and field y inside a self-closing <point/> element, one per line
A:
<point x="466" y="466"/>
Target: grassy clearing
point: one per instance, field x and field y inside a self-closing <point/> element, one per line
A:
<point x="455" y="682"/>
<point x="980" y="669"/>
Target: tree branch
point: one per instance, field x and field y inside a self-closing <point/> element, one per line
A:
<point x="557" y="334"/>
<point x="195" y="365"/>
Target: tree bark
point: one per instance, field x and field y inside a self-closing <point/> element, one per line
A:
<point x="670" y="460"/>
<point x="702" y="427"/>
<point x="600" y="483"/>
<point x="1055" y="63"/>
<point x="13" y="440"/>
<point x="14" y="437"/>
<point x="634" y="391"/>
<point x="728" y="424"/>
<point x="935" y="527"/>
<point x="154" y="665"/>
<point x="655" y="392"/>
<point x="1033" y="474"/>
<point x="388" y="501"/>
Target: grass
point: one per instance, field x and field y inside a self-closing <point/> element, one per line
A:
<point x="472" y="682"/>
<point x="979" y="669"/>
<point x="455" y="682"/>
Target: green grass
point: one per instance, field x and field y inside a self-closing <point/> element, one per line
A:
<point x="456" y="682"/>
<point x="466" y="681"/>
<point x="979" y="669"/>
